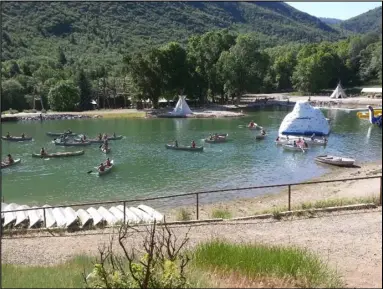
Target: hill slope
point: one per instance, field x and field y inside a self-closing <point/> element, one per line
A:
<point x="330" y="21"/>
<point x="31" y="28"/>
<point x="371" y="21"/>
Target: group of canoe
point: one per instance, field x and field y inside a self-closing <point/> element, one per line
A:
<point x="35" y="217"/>
<point x="213" y="138"/>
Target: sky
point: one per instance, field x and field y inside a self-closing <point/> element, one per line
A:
<point x="338" y="10"/>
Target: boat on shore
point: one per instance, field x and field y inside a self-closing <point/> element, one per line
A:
<point x="184" y="148"/>
<point x="107" y="169"/>
<point x="219" y="138"/>
<point x="335" y="160"/>
<point x="58" y="134"/>
<point x="291" y="147"/>
<point x="17" y="138"/>
<point x="59" y="154"/>
<point x="7" y="165"/>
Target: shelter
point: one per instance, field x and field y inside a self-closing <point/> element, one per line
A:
<point x="338" y="92"/>
<point x="304" y="120"/>
<point x="182" y="108"/>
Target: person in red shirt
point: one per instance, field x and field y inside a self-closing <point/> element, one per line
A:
<point x="108" y="164"/>
<point x="101" y="168"/>
<point x="193" y="144"/>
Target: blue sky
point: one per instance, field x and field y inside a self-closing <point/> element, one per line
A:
<point x="339" y="10"/>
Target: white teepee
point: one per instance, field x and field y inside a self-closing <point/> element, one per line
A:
<point x="338" y="92"/>
<point x="182" y="108"/>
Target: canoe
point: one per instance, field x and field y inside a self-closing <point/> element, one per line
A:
<point x="335" y="160"/>
<point x="84" y="217"/>
<point x="16" y="138"/>
<point x="106" y="170"/>
<point x="59" y="216"/>
<point x="7" y="165"/>
<point x="96" y="140"/>
<point x="60" y="134"/>
<point x="49" y="217"/>
<point x="35" y="217"/>
<point x="117" y="213"/>
<point x="181" y="148"/>
<point x="106" y="151"/>
<point x="129" y="215"/>
<point x="73" y="144"/>
<point x="144" y="217"/>
<point x="71" y="217"/>
<point x="10" y="217"/>
<point x="318" y="142"/>
<point x="220" y="139"/>
<point x="98" y="219"/>
<point x="260" y="137"/>
<point x="366" y="114"/>
<point x="291" y="147"/>
<point x="59" y="154"/>
<point x="21" y="216"/>
<point x="108" y="216"/>
<point x="152" y="213"/>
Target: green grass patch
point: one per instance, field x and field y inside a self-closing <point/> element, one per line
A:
<point x="255" y="261"/>
<point x="221" y="213"/>
<point x="323" y="204"/>
<point x="183" y="215"/>
<point x="66" y="275"/>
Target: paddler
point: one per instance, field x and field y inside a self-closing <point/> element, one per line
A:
<point x="8" y="135"/>
<point x="10" y="159"/>
<point x="252" y="124"/>
<point x="114" y="135"/>
<point x="99" y="136"/>
<point x="22" y="135"/>
<point x="263" y="132"/>
<point x="42" y="152"/>
<point x="193" y="144"/>
<point x="176" y="143"/>
<point x="101" y="168"/>
<point x="108" y="164"/>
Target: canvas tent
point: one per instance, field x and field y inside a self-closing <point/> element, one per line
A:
<point x="304" y="120"/>
<point x="338" y="92"/>
<point x="182" y="108"/>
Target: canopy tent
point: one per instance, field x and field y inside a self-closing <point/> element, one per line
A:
<point x="182" y="108"/>
<point x="304" y="120"/>
<point x="338" y="92"/>
<point x="372" y="90"/>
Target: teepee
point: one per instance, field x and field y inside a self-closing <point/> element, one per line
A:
<point x="338" y="92"/>
<point x="182" y="108"/>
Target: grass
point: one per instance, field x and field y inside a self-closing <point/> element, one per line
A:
<point x="183" y="215"/>
<point x="221" y="214"/>
<point x="66" y="275"/>
<point x="323" y="204"/>
<point x="262" y="262"/>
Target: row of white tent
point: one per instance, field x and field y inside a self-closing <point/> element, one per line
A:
<point x="69" y="218"/>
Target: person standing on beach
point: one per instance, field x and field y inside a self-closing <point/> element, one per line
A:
<point x="41" y="117"/>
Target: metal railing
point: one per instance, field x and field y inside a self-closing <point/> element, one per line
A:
<point x="197" y="195"/>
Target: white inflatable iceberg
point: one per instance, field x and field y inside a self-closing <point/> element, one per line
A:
<point x="304" y="120"/>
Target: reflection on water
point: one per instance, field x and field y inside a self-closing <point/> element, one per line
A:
<point x="145" y="168"/>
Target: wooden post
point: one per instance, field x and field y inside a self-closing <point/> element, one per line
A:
<point x="197" y="205"/>
<point x="289" y="193"/>
<point x="45" y="218"/>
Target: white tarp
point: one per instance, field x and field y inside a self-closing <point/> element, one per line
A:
<point x="304" y="120"/>
<point x="372" y="90"/>
<point x="338" y="92"/>
<point x="182" y="108"/>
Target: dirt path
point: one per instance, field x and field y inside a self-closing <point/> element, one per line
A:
<point x="350" y="242"/>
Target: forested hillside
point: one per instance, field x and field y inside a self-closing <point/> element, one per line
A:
<point x="70" y="52"/>
<point x="371" y="21"/>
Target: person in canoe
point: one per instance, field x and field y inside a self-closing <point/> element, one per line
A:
<point x="108" y="163"/>
<point x="8" y="135"/>
<point x="22" y="135"/>
<point x="312" y="137"/>
<point x="263" y="132"/>
<point x="99" y="136"/>
<point x="193" y="144"/>
<point x="105" y="146"/>
<point x="10" y="159"/>
<point x="43" y="152"/>
<point x="277" y="139"/>
<point x="101" y="168"/>
<point x="295" y="143"/>
<point x="211" y="137"/>
<point x="251" y="124"/>
<point x="68" y="131"/>
<point x="176" y="143"/>
<point x="305" y="145"/>
<point x="114" y="135"/>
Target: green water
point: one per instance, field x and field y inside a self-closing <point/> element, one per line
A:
<point x="145" y="168"/>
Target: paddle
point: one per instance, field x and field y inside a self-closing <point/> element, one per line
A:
<point x="89" y="171"/>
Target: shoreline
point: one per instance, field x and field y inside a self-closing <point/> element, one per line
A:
<point x="209" y="111"/>
<point x="300" y="194"/>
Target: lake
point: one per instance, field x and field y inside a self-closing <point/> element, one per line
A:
<point x="145" y="168"/>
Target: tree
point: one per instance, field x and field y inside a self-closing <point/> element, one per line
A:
<point x="12" y="95"/>
<point x="64" y="96"/>
<point x="85" y="88"/>
<point x="243" y="67"/>
<point x="61" y="57"/>
<point x="14" y="69"/>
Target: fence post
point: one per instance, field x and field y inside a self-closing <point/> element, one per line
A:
<point x="45" y="218"/>
<point x="289" y="193"/>
<point x="124" y="212"/>
<point x="197" y="205"/>
<point x="381" y="188"/>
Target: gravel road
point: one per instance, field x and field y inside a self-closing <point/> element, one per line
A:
<point x="351" y="242"/>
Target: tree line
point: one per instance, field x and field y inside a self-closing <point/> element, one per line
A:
<point x="216" y="66"/>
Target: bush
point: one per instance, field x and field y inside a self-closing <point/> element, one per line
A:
<point x="183" y="215"/>
<point x="64" y="96"/>
<point x="221" y="214"/>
